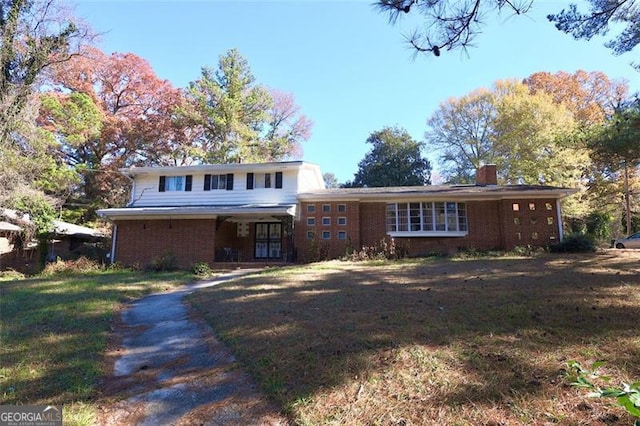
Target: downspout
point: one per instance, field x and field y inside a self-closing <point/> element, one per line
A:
<point x="559" y="212"/>
<point x="114" y="237"/>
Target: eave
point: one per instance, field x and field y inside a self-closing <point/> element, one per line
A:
<point x="198" y="212"/>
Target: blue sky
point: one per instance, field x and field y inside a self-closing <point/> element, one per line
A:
<point x="350" y="71"/>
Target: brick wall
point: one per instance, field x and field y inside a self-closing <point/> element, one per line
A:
<point x="529" y="222"/>
<point x="492" y="226"/>
<point x="335" y="228"/>
<point x="141" y="241"/>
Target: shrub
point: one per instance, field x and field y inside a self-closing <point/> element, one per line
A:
<point x="574" y="243"/>
<point x="10" y="275"/>
<point x="81" y="265"/>
<point x="384" y="249"/>
<point x="166" y="262"/>
<point x="598" y="225"/>
<point x="201" y="269"/>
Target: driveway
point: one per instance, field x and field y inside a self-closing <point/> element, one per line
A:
<point x="169" y="369"/>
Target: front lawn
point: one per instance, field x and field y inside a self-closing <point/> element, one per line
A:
<point x="448" y="342"/>
<point x="54" y="333"/>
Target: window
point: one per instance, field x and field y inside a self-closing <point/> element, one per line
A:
<point x="326" y="221"/>
<point x="264" y="180"/>
<point x="342" y="208"/>
<point x="311" y="208"/>
<point x="532" y="206"/>
<point x="175" y="183"/>
<point x="326" y="208"/>
<point x="427" y="218"/>
<point x="550" y="220"/>
<point x="311" y="221"/>
<point x="326" y="235"/>
<point x="342" y="235"/>
<point x="516" y="221"/>
<point x="342" y="221"/>
<point x="213" y="182"/>
<point x="311" y="235"/>
<point x="534" y="235"/>
<point x="515" y="207"/>
<point x="549" y="206"/>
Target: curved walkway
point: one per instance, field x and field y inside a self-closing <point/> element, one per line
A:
<point x="168" y="369"/>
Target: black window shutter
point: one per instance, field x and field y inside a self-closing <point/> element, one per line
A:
<point x="161" y="184"/>
<point x="278" y="179"/>
<point x="229" y="181"/>
<point x="188" y="182"/>
<point x="249" y="180"/>
<point x="207" y="182"/>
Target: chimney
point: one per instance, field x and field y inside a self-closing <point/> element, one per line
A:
<point x="487" y="175"/>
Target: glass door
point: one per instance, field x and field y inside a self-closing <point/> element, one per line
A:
<point x="268" y="244"/>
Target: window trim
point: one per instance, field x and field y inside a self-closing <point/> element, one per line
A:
<point x="407" y="209"/>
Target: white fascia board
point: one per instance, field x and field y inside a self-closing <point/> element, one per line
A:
<point x="136" y="213"/>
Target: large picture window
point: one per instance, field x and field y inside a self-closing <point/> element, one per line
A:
<point x="438" y="218"/>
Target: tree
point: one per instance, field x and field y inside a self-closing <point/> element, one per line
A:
<point x="34" y="35"/>
<point x="614" y="147"/>
<point x="110" y="111"/>
<point x="462" y="130"/>
<point x="394" y="160"/>
<point x="453" y="24"/>
<point x="525" y="134"/>
<point x="232" y="119"/>
<point x="602" y="13"/>
<point x="330" y="180"/>
<point x="589" y="96"/>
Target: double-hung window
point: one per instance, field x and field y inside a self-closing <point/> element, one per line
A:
<point x="175" y="183"/>
<point x="213" y="182"/>
<point x="427" y="219"/>
<point x="264" y="180"/>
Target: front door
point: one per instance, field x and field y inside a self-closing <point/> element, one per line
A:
<point x="268" y="244"/>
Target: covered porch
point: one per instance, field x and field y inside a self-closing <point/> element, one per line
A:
<point x="217" y="235"/>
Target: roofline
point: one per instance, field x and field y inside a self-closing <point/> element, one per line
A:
<point x="200" y="212"/>
<point x="278" y="165"/>
<point x="412" y="193"/>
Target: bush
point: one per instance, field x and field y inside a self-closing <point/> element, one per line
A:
<point x="11" y="275"/>
<point x="384" y="249"/>
<point x="166" y="262"/>
<point x="201" y="269"/>
<point x="574" y="243"/>
<point x="81" y="265"/>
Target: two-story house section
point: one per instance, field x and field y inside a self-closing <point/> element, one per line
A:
<point x="282" y="212"/>
<point x="208" y="213"/>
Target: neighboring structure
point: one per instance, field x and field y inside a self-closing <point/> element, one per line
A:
<point x="282" y="212"/>
<point x="68" y="241"/>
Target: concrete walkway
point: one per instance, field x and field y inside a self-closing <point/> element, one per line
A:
<point x="169" y="369"/>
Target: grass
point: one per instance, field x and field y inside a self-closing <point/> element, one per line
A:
<point x="54" y="333"/>
<point x="469" y="341"/>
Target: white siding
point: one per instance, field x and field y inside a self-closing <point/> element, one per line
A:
<point x="146" y="193"/>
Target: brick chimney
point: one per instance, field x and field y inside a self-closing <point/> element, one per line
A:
<point x="487" y="175"/>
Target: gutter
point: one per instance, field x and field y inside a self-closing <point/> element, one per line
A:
<point x="114" y="238"/>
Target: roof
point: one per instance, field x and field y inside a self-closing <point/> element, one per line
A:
<point x="6" y="226"/>
<point x="69" y="229"/>
<point x="219" y="168"/>
<point x="253" y="211"/>
<point x="438" y="192"/>
<point x="59" y="227"/>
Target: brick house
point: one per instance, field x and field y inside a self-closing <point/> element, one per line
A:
<point x="282" y="212"/>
